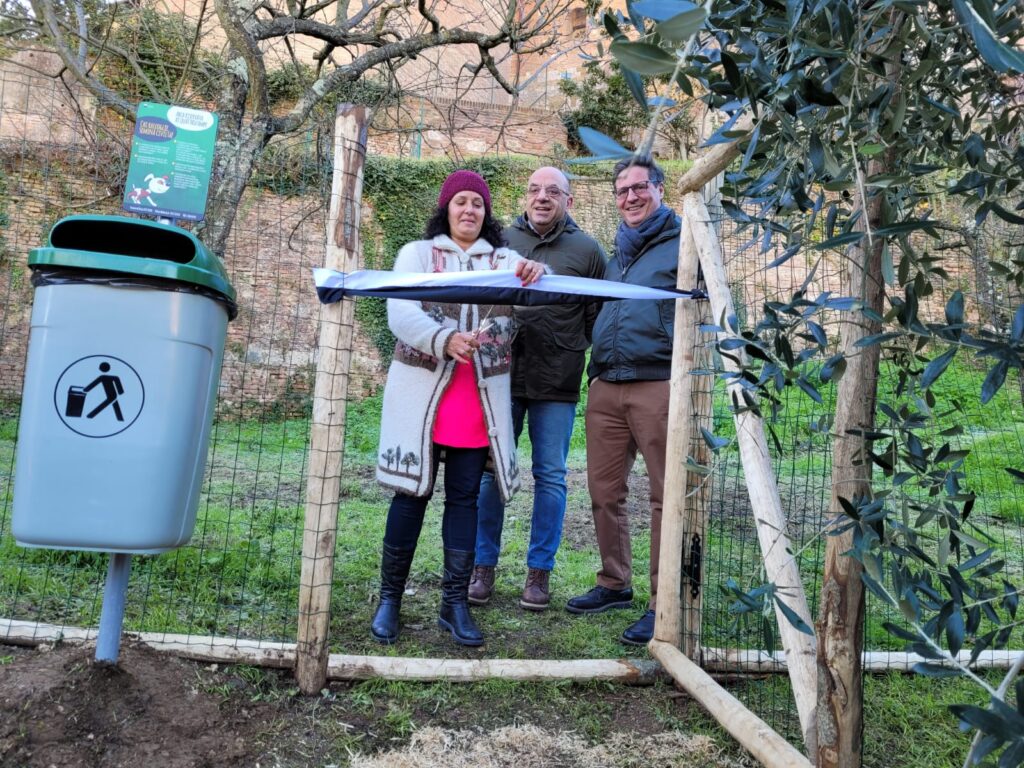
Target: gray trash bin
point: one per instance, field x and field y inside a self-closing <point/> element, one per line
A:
<point x="124" y="357"/>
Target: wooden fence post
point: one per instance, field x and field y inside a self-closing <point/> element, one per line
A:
<point x="330" y="394"/>
<point x="673" y="564"/>
<point x="679" y="614"/>
<point x="770" y="520"/>
<point x="697" y="510"/>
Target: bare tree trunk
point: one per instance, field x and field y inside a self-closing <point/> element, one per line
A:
<point x="841" y="612"/>
<point x="989" y="305"/>
<point x="237" y="152"/>
<point x="840" y="627"/>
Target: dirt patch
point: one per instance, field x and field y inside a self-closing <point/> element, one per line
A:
<point x="59" y="708"/>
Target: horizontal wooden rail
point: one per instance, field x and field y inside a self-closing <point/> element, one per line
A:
<point x="229" y="650"/>
<point x="722" y="660"/>
<point x="265" y="653"/>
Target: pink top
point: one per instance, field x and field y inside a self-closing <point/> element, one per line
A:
<point x="460" y="418"/>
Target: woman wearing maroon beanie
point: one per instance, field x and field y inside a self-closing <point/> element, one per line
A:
<point x="447" y="393"/>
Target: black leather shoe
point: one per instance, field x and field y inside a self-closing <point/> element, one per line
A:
<point x="600" y="599"/>
<point x="641" y="631"/>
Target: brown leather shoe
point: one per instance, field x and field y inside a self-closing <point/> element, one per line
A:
<point x="481" y="585"/>
<point x="536" y="595"/>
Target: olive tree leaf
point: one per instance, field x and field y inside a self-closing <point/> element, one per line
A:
<point x="643" y="58"/>
<point x="600" y="146"/>
<point x="682" y="26"/>
<point x="636" y="87"/>
<point x="936" y="367"/>
<point x="662" y="10"/>
<point x="993" y="381"/>
<point x="997" y="54"/>
<point x="793" y="618"/>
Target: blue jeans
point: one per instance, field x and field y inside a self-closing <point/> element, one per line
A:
<point x="550" y="431"/>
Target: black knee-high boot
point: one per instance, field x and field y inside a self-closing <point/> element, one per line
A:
<point x="394" y="570"/>
<point x="455" y="615"/>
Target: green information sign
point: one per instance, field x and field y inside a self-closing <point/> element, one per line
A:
<point x="172" y="154"/>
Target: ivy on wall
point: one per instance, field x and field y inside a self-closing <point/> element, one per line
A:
<point x="5" y="219"/>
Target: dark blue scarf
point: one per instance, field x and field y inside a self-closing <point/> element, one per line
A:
<point x="629" y="241"/>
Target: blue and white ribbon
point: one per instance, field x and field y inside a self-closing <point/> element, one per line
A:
<point x="499" y="286"/>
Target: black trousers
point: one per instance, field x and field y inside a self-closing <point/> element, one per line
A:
<point x="464" y="467"/>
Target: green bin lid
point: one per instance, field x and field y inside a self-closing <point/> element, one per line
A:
<point x="133" y="247"/>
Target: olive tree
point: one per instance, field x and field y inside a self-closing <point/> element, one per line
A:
<point x="855" y="115"/>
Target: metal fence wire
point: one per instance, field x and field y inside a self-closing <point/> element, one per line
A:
<point x="239" y="576"/>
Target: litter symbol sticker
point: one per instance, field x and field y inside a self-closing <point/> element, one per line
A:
<point x="99" y="396"/>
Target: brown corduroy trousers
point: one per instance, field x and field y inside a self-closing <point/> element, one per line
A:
<point x="623" y="418"/>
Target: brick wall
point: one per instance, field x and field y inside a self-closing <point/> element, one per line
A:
<point x="270" y="354"/>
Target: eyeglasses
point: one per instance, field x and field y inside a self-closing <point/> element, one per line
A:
<point x="639" y="189"/>
<point x="553" y="192"/>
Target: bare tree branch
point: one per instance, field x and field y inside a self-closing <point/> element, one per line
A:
<point x="385" y="53"/>
<point x="329" y="33"/>
<point x="235" y="22"/>
<point x="488" y="61"/>
<point x="192" y="51"/>
<point x="435" y="25"/>
<point x="43" y="10"/>
<point x="82" y="29"/>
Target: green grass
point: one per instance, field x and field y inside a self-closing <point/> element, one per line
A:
<point x="239" y="577"/>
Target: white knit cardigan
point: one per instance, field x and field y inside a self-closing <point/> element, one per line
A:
<point x="420" y="373"/>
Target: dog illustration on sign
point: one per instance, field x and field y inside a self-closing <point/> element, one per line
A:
<point x="155" y="185"/>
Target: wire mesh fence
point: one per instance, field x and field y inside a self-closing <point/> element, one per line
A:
<point x="239" y="576"/>
<point x="802" y="436"/>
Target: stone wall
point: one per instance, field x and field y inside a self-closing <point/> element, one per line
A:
<point x="36" y="106"/>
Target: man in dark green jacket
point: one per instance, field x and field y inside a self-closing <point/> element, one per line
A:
<point x="627" y="405"/>
<point x="548" y="355"/>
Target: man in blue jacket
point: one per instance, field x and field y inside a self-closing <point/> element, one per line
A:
<point x="627" y="408"/>
<point x="548" y="355"/>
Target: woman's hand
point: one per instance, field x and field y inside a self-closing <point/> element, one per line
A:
<point x="460" y="346"/>
<point x="529" y="271"/>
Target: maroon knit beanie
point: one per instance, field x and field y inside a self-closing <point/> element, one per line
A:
<point x="464" y="181"/>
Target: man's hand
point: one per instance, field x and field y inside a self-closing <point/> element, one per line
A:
<point x="460" y="346"/>
<point x="529" y="271"/>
